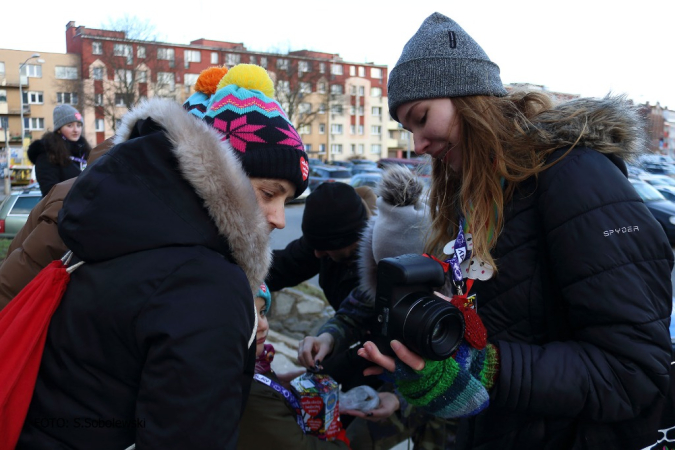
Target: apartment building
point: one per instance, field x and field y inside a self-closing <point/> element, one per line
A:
<point x="339" y="107"/>
<point x="45" y="80"/>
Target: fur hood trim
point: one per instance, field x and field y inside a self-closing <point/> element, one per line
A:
<point x="211" y="167"/>
<point x="611" y="125"/>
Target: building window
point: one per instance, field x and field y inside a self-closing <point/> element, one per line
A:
<point x="375" y="149"/>
<point x="232" y="59"/>
<point x="305" y="87"/>
<point x="100" y="125"/>
<point x="322" y="128"/>
<point x="124" y="50"/>
<point x="376" y="92"/>
<point x="361" y="130"/>
<point x="352" y="110"/>
<point x="336" y="69"/>
<point x="305" y="129"/>
<point x="362" y="71"/>
<point x="140" y="51"/>
<point x="97" y="73"/>
<point x="322" y="67"/>
<point x="282" y="64"/>
<point x="284" y="86"/>
<point x="352" y="129"/>
<point x="376" y="111"/>
<point x="121" y="100"/>
<point x="353" y="146"/>
<point x="322" y="108"/>
<point x="303" y="67"/>
<point x="3" y="97"/>
<point x="189" y="79"/>
<point x="362" y="91"/>
<point x="66" y="73"/>
<point x="305" y="108"/>
<point x="124" y="76"/>
<point x="376" y="130"/>
<point x="141" y="76"/>
<point x="252" y="59"/>
<point x="97" y="48"/>
<point x="165" y="53"/>
<point x="2" y="68"/>
<point x="34" y="123"/>
<point x="336" y="89"/>
<point x="322" y="149"/>
<point x="336" y="149"/>
<point x="67" y="98"/>
<point x="307" y="147"/>
<point x="263" y="62"/>
<point x="33" y="71"/>
<point x="336" y="128"/>
<point x="214" y="58"/>
<point x="360" y="149"/>
<point x="321" y="87"/>
<point x="98" y="99"/>
<point x="376" y="72"/>
<point x="166" y="80"/>
<point x="336" y="109"/>
<point x="352" y="71"/>
<point x="192" y="56"/>
<point x="33" y="97"/>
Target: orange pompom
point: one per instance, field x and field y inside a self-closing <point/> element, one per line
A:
<point x="209" y="78"/>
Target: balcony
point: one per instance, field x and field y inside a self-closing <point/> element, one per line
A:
<point x="15" y="110"/>
<point x="6" y="82"/>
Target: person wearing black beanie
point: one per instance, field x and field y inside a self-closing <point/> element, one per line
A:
<point x="335" y="216"/>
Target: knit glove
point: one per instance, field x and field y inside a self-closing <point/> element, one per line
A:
<point x="455" y="387"/>
<point x="459" y="385"/>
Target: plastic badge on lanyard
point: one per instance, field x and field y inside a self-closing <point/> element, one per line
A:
<point x="458" y="252"/>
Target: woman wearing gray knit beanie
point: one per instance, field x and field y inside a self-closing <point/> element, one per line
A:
<point x="567" y="342"/>
<point x="61" y="154"/>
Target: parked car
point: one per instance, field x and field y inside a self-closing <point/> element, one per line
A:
<point x="314" y="162"/>
<point x="343" y="164"/>
<point x="419" y="166"/>
<point x="661" y="169"/>
<point x="365" y="168"/>
<point x="657" y="180"/>
<point x="14" y="211"/>
<point x="370" y="179"/>
<point x="323" y="174"/>
<point x="662" y="209"/>
<point x="667" y="191"/>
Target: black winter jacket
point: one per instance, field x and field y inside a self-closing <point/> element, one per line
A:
<point x="580" y="315"/>
<point x="152" y="341"/>
<point x="49" y="174"/>
<point x="297" y="263"/>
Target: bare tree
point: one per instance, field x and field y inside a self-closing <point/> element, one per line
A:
<point x="128" y="68"/>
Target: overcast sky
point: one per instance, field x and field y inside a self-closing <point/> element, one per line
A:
<point x="587" y="47"/>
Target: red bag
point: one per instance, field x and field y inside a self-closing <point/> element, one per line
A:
<point x="23" y="331"/>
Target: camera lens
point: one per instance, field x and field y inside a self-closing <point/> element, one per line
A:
<point x="430" y="326"/>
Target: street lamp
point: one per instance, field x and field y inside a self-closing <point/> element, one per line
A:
<point x="23" y="131"/>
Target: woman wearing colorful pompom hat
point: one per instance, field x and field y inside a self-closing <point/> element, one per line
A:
<point x="153" y="343"/>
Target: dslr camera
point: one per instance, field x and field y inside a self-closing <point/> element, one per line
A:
<point x="407" y="309"/>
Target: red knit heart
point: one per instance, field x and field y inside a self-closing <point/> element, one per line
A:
<point x="474" y="332"/>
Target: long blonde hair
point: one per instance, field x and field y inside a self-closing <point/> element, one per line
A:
<point x="500" y="144"/>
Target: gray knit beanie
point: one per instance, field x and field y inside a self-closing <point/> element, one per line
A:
<point x="64" y="114"/>
<point x="441" y="60"/>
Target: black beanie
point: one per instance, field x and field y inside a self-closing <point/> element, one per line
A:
<point x="334" y="217"/>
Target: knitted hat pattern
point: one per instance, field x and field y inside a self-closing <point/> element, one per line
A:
<point x="400" y="227"/>
<point x="243" y="111"/>
<point x="264" y="293"/>
<point x="334" y="217"/>
<point x="65" y="114"/>
<point x="440" y="61"/>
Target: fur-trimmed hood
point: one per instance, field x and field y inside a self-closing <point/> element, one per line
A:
<point x="185" y="185"/>
<point x="611" y="125"/>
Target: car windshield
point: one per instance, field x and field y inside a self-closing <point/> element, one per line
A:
<point x="339" y="174"/>
<point x="648" y="193"/>
<point x="656" y="181"/>
<point x="24" y="204"/>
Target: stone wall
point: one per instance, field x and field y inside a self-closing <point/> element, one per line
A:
<point x="296" y="314"/>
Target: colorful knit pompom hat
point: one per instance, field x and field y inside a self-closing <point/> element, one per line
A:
<point x="205" y="87"/>
<point x="244" y="111"/>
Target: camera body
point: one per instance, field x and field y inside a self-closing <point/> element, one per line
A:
<point x="408" y="311"/>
